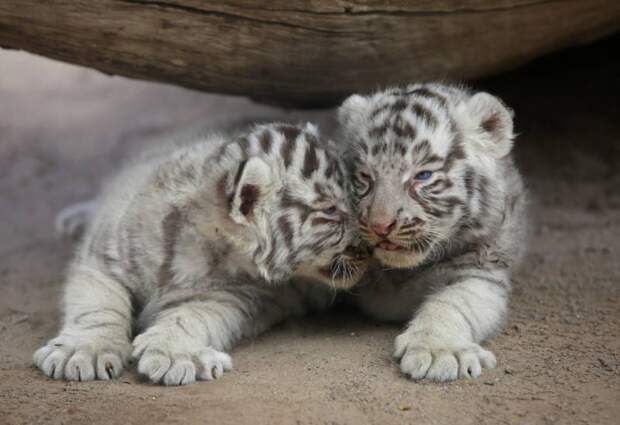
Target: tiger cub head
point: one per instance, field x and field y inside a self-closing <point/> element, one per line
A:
<point x="289" y="194"/>
<point x="423" y="160"/>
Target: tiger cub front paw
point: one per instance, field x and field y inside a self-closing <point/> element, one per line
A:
<point x="434" y="359"/>
<point x="86" y="358"/>
<point x="178" y="364"/>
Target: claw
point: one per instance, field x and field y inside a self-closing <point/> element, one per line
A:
<point x="109" y="368"/>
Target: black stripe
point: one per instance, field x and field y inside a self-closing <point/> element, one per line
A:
<point x="311" y="162"/>
<point x="286" y="150"/>
<point x="427" y="93"/>
<point x="239" y="173"/>
<point x="265" y="141"/>
<point x="287" y="231"/>
<point x="425" y="114"/>
<point x="456" y="153"/>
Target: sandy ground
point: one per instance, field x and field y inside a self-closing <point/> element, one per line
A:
<point x="62" y="128"/>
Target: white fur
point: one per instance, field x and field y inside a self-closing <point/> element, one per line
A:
<point x="444" y="337"/>
<point x="166" y="244"/>
<point x="459" y="296"/>
<point x="480" y="108"/>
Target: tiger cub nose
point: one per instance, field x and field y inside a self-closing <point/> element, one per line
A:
<point x="383" y="229"/>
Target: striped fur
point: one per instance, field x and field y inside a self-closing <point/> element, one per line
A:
<point x="453" y="238"/>
<point x="193" y="248"/>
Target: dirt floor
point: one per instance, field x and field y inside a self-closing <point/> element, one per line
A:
<point x="62" y="128"/>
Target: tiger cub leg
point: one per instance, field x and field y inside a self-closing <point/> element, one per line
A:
<point x="94" y="342"/>
<point x="441" y="342"/>
<point x="185" y="336"/>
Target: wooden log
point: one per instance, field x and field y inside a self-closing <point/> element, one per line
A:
<point x="300" y="52"/>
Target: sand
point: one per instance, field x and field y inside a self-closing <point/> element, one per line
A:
<point x="62" y="128"/>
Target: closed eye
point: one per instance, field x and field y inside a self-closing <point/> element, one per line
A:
<point x="330" y="213"/>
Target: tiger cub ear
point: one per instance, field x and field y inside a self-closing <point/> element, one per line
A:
<point x="252" y="184"/>
<point x="351" y="112"/>
<point x="492" y="123"/>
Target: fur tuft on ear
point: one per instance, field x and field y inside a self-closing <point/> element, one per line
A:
<point x="492" y="122"/>
<point x="351" y="112"/>
<point x="252" y="184"/>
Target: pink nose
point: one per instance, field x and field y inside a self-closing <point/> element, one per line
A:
<point x="383" y="229"/>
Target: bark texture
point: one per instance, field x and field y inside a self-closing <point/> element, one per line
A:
<point x="300" y="52"/>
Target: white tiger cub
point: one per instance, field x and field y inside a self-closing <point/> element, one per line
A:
<point x="191" y="248"/>
<point x="439" y="198"/>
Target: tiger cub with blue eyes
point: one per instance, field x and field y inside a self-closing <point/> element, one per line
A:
<point x="193" y="248"/>
<point x="439" y="198"/>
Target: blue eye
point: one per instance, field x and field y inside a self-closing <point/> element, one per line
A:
<point x="423" y="175"/>
<point x="331" y="210"/>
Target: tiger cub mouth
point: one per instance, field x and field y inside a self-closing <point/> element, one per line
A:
<point x="348" y="265"/>
<point x="390" y="246"/>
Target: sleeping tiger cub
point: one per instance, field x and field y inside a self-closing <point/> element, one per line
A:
<point x="193" y="248"/>
<point x="439" y="198"/>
